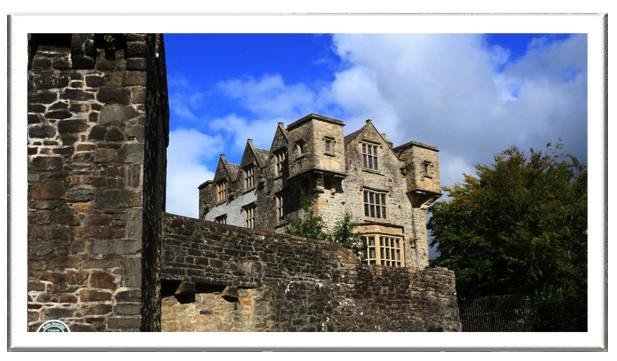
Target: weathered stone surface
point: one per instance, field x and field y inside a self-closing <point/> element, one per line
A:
<point x="51" y="80"/>
<point x="112" y="95"/>
<point x="97" y="133"/>
<point x="135" y="78"/>
<point x="135" y="49"/>
<point x="58" y="313"/>
<point x="95" y="81"/>
<point x="102" y="279"/>
<point x="116" y="114"/>
<point x="131" y="295"/>
<point x="46" y="163"/>
<point x="97" y="309"/>
<point x="34" y="118"/>
<point x="116" y="198"/>
<point x="71" y="126"/>
<point x="123" y="323"/>
<point x="119" y="246"/>
<point x="43" y="97"/>
<point x="91" y="295"/>
<point x="105" y="155"/>
<point x="49" y="189"/>
<point x="136" y="64"/>
<point x="131" y="153"/>
<point x="58" y="114"/>
<point x="114" y="134"/>
<point x="41" y="63"/>
<point x="128" y="309"/>
<point x="77" y="94"/>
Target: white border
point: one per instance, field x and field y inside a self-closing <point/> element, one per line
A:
<point x="22" y="24"/>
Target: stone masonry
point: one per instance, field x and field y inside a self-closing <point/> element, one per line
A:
<point x="97" y="138"/>
<point x="219" y="277"/>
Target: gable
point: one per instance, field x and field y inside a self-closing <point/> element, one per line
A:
<point x="225" y="170"/>
<point x="280" y="140"/>
<point x="368" y="133"/>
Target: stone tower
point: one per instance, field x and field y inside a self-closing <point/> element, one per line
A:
<point x="97" y="138"/>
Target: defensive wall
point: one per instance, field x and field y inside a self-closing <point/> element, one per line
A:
<point x="224" y="278"/>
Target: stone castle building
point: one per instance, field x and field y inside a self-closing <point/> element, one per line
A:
<point x="385" y="189"/>
<point x="103" y="255"/>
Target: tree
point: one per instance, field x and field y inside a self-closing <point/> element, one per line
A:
<point x="520" y="225"/>
<point x="312" y="226"/>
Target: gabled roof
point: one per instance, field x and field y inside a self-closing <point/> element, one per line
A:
<point x="232" y="170"/>
<point x="259" y="155"/>
<point x="262" y="155"/>
<point x="280" y="135"/>
<point x="351" y="136"/>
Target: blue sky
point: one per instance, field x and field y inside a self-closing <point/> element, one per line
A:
<point x="471" y="95"/>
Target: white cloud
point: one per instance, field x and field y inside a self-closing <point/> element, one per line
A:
<point x="238" y="129"/>
<point x="187" y="151"/>
<point x="270" y="96"/>
<point x="444" y="90"/>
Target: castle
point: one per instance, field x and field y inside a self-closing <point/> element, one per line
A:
<point x="385" y="189"/>
<point x="103" y="255"/>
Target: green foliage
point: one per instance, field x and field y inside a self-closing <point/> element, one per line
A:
<point x="520" y="225"/>
<point x="344" y="234"/>
<point x="110" y="41"/>
<point x="311" y="225"/>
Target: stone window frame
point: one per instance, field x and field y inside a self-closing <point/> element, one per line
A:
<point x="280" y="162"/>
<point x="329" y="142"/>
<point x="249" y="215"/>
<point x="375" y="203"/>
<point x="222" y="191"/>
<point x="249" y="176"/>
<point x="382" y="250"/>
<point x="370" y="155"/>
<point x="427" y="167"/>
<point x="280" y="206"/>
<point x="300" y="148"/>
<point x="222" y="219"/>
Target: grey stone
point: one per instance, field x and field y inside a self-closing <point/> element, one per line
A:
<point x="116" y="114"/>
<point x="43" y="96"/>
<point x="77" y="94"/>
<point x="111" y="95"/>
<point x="71" y="126"/>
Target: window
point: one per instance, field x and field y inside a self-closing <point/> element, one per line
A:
<point x="249" y="177"/>
<point x="280" y="162"/>
<point x="382" y="250"/>
<point x="280" y="207"/>
<point x="249" y="216"/>
<point x="221" y="191"/>
<point x="299" y="148"/>
<point x="374" y="204"/>
<point x="426" y="169"/>
<point x="329" y="144"/>
<point x="369" y="156"/>
<point x="221" y="219"/>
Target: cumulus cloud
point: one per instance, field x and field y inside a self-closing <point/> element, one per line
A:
<point x="270" y="95"/>
<point x="187" y="152"/>
<point x="454" y="92"/>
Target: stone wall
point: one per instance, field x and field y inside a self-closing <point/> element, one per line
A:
<point x="97" y="137"/>
<point x="224" y="278"/>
